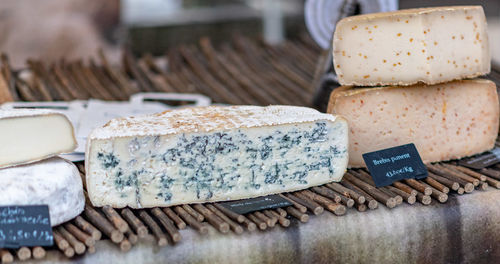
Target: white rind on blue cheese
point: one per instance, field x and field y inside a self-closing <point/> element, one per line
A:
<point x="196" y="155"/>
<point x="55" y="182"/>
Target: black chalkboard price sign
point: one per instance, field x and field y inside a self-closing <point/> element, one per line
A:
<point x="25" y="226"/>
<point x="256" y="204"/>
<point x="393" y="164"/>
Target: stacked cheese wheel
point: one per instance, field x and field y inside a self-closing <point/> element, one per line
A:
<point x="29" y="172"/>
<point x="420" y="58"/>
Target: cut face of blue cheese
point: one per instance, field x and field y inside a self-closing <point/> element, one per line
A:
<point x="196" y="155"/>
<point x="54" y="182"/>
<point x="28" y="135"/>
<point x="428" y="45"/>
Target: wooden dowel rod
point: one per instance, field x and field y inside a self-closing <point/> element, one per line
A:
<point x="251" y="226"/>
<point x="6" y="256"/>
<point x="438" y="195"/>
<point x="155" y="228"/>
<point x="167" y="224"/>
<point x="78" y="246"/>
<point x="310" y="205"/>
<point x="137" y="225"/>
<point x="177" y="220"/>
<point x="370" y="201"/>
<point x="331" y="194"/>
<point x="125" y="245"/>
<point x="281" y="219"/>
<point x="297" y="214"/>
<point x="91" y="250"/>
<point x="346" y="192"/>
<point x="436" y="184"/>
<point x="483" y="186"/>
<point x="131" y="237"/>
<point x="468" y="186"/>
<point x="203" y="229"/>
<point x="39" y="253"/>
<point x="80" y="235"/>
<point x="299" y="207"/>
<point x="23" y="253"/>
<point x="453" y="185"/>
<point x="199" y="217"/>
<point x="491" y="173"/>
<point x="461" y="190"/>
<point x="377" y="194"/>
<point x="405" y="188"/>
<point x="459" y="174"/>
<point x="418" y="186"/>
<point x="61" y="243"/>
<point x="424" y="199"/>
<point x="103" y="224"/>
<point x="115" y="218"/>
<point x="88" y="228"/>
<point x="410" y="199"/>
<point x="212" y="218"/>
<point x="232" y="224"/>
<point x="234" y="216"/>
<point x="282" y="212"/>
<point x="467" y="171"/>
<point x="493" y="182"/>
<point x="361" y="207"/>
<point x="269" y="222"/>
<point x="331" y="206"/>
<point x="260" y="224"/>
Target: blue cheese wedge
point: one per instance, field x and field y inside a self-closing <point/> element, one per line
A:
<point x="428" y="45"/>
<point x="30" y="135"/>
<point x="55" y="182"/>
<point x="197" y="155"/>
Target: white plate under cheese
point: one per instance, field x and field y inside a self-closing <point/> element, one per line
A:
<point x="196" y="155"/>
<point x="55" y="182"/>
<point x="429" y="45"/>
<point x="31" y="135"/>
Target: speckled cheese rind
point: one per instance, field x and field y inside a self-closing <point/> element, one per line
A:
<point x="428" y="45"/>
<point x="444" y="121"/>
<point x="55" y="182"/>
<point x="30" y="135"/>
<point x="197" y="155"/>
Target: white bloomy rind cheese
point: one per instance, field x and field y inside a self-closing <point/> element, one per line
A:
<point x="31" y="135"/>
<point x="445" y="121"/>
<point x="55" y="182"/>
<point x="195" y="155"/>
<point x="428" y="45"/>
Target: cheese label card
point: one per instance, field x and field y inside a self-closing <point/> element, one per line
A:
<point x="25" y="226"/>
<point x="393" y="164"/>
<point x="483" y="160"/>
<point x="256" y="204"/>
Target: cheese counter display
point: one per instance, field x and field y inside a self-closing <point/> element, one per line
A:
<point x="254" y="173"/>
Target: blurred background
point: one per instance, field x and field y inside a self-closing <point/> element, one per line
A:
<point x="51" y="30"/>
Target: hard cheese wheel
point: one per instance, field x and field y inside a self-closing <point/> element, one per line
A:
<point x="55" y="182"/>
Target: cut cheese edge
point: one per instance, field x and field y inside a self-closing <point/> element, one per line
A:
<point x="197" y="155"/>
<point x="428" y="45"/>
<point x="444" y="121"/>
<point x="54" y="182"/>
<point x="32" y="135"/>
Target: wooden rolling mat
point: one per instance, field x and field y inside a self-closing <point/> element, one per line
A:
<point x="243" y="72"/>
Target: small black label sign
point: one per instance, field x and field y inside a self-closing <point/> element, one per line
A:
<point x="393" y="164"/>
<point x="255" y="204"/>
<point x="25" y="226"/>
<point x="483" y="160"/>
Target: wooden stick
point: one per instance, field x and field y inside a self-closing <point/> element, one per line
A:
<point x="137" y="225"/>
<point x="281" y="219"/>
<point x="251" y="226"/>
<point x="468" y="186"/>
<point x="460" y="190"/>
<point x="467" y="171"/>
<point x="377" y="194"/>
<point x="125" y="245"/>
<point x="39" y="253"/>
<point x="331" y="206"/>
<point x="80" y="235"/>
<point x="346" y="192"/>
<point x="77" y="245"/>
<point x="203" y="229"/>
<point x="6" y="256"/>
<point x="212" y="218"/>
<point x="458" y="174"/>
<point x="199" y="217"/>
<point x="483" y="186"/>
<point x="361" y="207"/>
<point x="270" y="215"/>
<point x="297" y="214"/>
<point x="23" y="253"/>
<point x="310" y="205"/>
<point x="331" y="194"/>
<point x="410" y="199"/>
<point x="232" y="224"/>
<point x="234" y="216"/>
<point x="436" y="184"/>
<point x="424" y="199"/>
<point x="398" y="198"/>
<point x="493" y="182"/>
<point x="91" y="250"/>
<point x="405" y="188"/>
<point x="115" y="218"/>
<point x="438" y="195"/>
<point x="281" y="212"/>
<point x="269" y="222"/>
<point x="88" y="228"/>
<point x="69" y="252"/>
<point x="177" y="220"/>
<point x="299" y="207"/>
<point x="445" y="181"/>
<point x="491" y="173"/>
<point x="103" y="224"/>
<point x="61" y="243"/>
<point x="371" y="202"/>
<point x="418" y="186"/>
<point x="167" y="224"/>
<point x="131" y="237"/>
<point x="260" y="224"/>
<point x="155" y="228"/>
